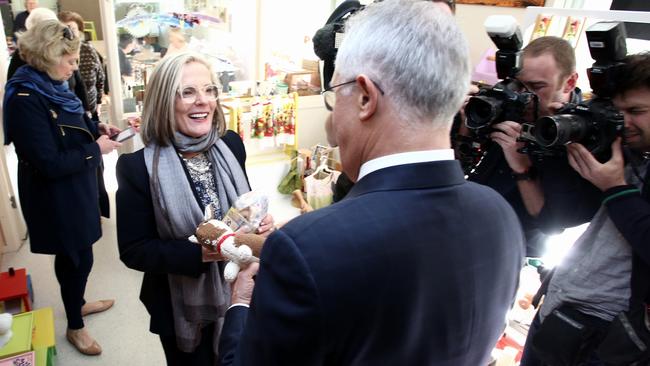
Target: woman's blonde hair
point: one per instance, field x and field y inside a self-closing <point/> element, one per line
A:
<point x="158" y="119"/>
<point x="43" y="45"/>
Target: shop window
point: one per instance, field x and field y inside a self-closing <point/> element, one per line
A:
<point x="253" y="45"/>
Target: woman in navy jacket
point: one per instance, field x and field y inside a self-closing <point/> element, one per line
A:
<point x="189" y="162"/>
<point x="59" y="151"/>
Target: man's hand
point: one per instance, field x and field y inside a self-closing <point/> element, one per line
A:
<point x="506" y="135"/>
<point x="242" y="288"/>
<point x="603" y="176"/>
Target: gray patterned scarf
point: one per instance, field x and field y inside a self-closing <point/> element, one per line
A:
<point x="196" y="302"/>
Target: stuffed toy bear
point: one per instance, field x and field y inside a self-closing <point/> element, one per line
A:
<point x="240" y="249"/>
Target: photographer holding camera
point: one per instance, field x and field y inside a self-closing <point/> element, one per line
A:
<point x="548" y="71"/>
<point x="594" y="284"/>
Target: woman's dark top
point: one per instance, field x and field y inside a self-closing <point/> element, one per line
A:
<point x="140" y="245"/>
<point x="57" y="173"/>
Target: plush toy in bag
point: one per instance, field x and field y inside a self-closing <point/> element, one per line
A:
<point x="231" y="238"/>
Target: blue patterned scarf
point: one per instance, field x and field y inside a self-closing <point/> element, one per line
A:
<point x="58" y="93"/>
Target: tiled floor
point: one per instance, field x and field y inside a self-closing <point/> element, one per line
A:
<point x="122" y="331"/>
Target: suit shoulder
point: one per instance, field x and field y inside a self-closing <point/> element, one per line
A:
<point x="326" y="217"/>
<point x="480" y="189"/>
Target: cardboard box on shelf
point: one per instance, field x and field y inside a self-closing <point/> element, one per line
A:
<point x="314" y="67"/>
<point x="302" y="82"/>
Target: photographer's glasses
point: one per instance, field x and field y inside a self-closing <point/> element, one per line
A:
<point x="329" y="95"/>
<point x="188" y="94"/>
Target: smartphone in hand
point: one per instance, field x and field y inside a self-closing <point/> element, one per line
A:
<point x="126" y="134"/>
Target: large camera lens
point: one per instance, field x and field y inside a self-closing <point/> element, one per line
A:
<point x="481" y="111"/>
<point x="561" y="129"/>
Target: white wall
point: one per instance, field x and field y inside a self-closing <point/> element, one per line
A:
<point x="311" y="116"/>
<point x="471" y="19"/>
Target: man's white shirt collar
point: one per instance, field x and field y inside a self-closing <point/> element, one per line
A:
<point x="404" y="158"/>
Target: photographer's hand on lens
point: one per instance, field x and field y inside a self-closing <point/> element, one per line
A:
<point x="506" y="135"/>
<point x="242" y="288"/>
<point x="603" y="176"/>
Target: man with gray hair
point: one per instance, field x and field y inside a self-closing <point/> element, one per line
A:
<point x="416" y="266"/>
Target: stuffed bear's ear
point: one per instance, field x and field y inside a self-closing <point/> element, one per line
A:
<point x="209" y="213"/>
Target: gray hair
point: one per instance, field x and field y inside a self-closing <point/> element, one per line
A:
<point x="158" y="118"/>
<point x="38" y="15"/>
<point x="43" y="45"/>
<point x="414" y="51"/>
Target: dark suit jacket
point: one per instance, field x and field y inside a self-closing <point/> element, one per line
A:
<point x="140" y="246"/>
<point x="495" y="173"/>
<point x="415" y="266"/>
<point x="58" y="161"/>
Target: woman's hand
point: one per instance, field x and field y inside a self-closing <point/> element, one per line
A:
<point x="267" y="226"/>
<point x="108" y="130"/>
<point x="107" y="145"/>
<point x="208" y="255"/>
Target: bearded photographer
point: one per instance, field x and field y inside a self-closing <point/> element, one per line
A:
<point x="593" y="284"/>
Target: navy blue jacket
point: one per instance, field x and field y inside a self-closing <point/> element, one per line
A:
<point x="416" y="266"/>
<point x="495" y="173"/>
<point x="139" y="244"/>
<point x="58" y="161"/>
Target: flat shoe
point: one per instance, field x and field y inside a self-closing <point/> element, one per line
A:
<point x="103" y="306"/>
<point x="93" y="350"/>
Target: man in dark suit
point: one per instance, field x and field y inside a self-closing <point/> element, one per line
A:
<point x="416" y="266"/>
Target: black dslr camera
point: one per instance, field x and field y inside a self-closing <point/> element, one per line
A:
<point x="596" y="122"/>
<point x="507" y="100"/>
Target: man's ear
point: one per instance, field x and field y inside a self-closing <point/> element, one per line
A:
<point x="368" y="97"/>
<point x="570" y="83"/>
